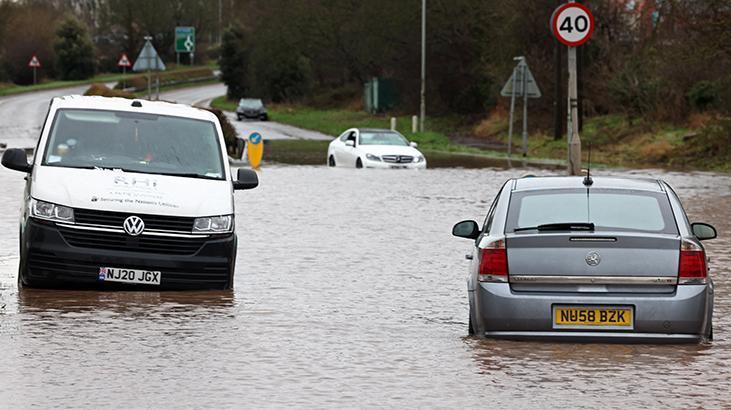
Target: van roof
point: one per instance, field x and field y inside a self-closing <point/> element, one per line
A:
<point x="558" y="182"/>
<point x="124" y="104"/>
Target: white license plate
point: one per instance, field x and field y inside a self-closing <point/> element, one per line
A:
<point x="122" y="275"/>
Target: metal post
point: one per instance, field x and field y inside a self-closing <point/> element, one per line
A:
<point x="393" y="123"/>
<point x="149" y="86"/>
<point x="422" y="111"/>
<point x="220" y="21"/>
<point x="512" y="111"/>
<point x="558" y="92"/>
<point x="414" y="124"/>
<point x="34" y="76"/>
<point x="124" y="77"/>
<point x="157" y="87"/>
<point x="574" y="140"/>
<point x="525" y="110"/>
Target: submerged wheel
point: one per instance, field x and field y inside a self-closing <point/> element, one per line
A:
<point x="358" y="163"/>
<point x="331" y="161"/>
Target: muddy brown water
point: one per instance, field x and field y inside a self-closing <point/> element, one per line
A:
<point x="350" y="292"/>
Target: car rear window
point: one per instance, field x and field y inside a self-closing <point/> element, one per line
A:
<point x="608" y="209"/>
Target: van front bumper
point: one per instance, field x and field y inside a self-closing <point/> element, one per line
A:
<point x="681" y="316"/>
<point x="48" y="260"/>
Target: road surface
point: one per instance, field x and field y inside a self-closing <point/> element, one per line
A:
<point x="22" y="115"/>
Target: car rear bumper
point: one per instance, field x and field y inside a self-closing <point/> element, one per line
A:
<point x="684" y="315"/>
<point x="48" y="260"/>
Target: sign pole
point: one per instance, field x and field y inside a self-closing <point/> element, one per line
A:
<point x="124" y="77"/>
<point x="34" y="76"/>
<point x="574" y="140"/>
<point x="512" y="111"/>
<point x="525" y="111"/>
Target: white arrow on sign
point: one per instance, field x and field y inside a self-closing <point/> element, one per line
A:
<point x="530" y="83"/>
<point x="34" y="62"/>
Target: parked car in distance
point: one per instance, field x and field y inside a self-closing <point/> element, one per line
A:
<point x="607" y="259"/>
<point x="251" y="108"/>
<point x="374" y="148"/>
<point x="133" y="194"/>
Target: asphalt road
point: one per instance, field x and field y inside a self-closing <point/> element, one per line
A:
<point x="22" y="115"/>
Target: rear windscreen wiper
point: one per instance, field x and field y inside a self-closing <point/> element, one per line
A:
<point x="562" y="226"/>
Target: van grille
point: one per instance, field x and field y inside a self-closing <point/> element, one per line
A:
<point x="116" y="219"/>
<point x="119" y="241"/>
<point x="49" y="266"/>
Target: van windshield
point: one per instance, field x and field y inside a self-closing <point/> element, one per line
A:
<point x="134" y="142"/>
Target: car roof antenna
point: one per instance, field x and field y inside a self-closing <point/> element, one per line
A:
<point x="587" y="179"/>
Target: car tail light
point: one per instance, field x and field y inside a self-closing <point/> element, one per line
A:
<point x="693" y="269"/>
<point x="494" y="262"/>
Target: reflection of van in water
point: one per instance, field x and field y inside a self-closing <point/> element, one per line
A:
<point x="128" y="193"/>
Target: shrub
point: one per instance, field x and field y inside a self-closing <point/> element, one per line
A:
<point x="229" y="132"/>
<point x="74" y="51"/>
<point x="703" y="95"/>
<point x="104" y="91"/>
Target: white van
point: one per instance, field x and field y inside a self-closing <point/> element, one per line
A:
<point x="128" y="194"/>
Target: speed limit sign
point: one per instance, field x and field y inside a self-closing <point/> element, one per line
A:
<point x="572" y="24"/>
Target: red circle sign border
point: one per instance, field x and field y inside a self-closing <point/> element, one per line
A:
<point x="554" y="20"/>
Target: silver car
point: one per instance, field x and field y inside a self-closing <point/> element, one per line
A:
<point x="589" y="259"/>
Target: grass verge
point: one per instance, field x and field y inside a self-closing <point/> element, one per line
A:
<point x="12" y="89"/>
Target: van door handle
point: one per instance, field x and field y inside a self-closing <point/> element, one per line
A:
<point x="468" y="256"/>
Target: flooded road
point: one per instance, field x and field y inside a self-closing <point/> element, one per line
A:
<point x="350" y="292"/>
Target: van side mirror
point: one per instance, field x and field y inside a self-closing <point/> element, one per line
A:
<point x="350" y="143"/>
<point x="246" y="179"/>
<point x="703" y="231"/>
<point x="413" y="144"/>
<point x="466" y="229"/>
<point x="16" y="158"/>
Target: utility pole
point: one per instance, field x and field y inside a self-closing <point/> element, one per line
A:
<point x="422" y="110"/>
<point x="220" y="21"/>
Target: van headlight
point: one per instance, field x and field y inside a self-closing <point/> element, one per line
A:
<point x="419" y="158"/>
<point x="373" y="157"/>
<point x="213" y="224"/>
<point x="51" y="212"/>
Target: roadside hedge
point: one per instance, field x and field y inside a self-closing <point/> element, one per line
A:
<point x="139" y="82"/>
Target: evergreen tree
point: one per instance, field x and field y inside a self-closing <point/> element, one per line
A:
<point x="234" y="62"/>
<point x="74" y="51"/>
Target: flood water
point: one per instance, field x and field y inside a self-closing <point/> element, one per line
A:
<point x="350" y="292"/>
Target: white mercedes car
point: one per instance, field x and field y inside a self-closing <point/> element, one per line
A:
<point x="374" y="148"/>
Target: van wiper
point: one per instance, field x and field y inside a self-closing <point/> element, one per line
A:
<point x="182" y="174"/>
<point x="561" y="226"/>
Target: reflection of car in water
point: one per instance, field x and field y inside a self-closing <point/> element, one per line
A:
<point x="124" y="193"/>
<point x="251" y="108"/>
<point x="608" y="259"/>
<point x="374" y="148"/>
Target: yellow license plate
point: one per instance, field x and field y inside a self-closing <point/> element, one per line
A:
<point x="592" y="317"/>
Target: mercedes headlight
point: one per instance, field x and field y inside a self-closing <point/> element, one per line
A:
<point x="373" y="157"/>
<point x="419" y="158"/>
<point x="51" y="212"/>
<point x="213" y="224"/>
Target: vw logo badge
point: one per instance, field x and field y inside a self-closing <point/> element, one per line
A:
<point x="593" y="258"/>
<point x="134" y="225"/>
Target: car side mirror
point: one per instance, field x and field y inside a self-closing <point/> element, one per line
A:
<point x="413" y="144"/>
<point x="703" y="231"/>
<point x="246" y="179"/>
<point x="350" y="143"/>
<point x="17" y="159"/>
<point x="466" y="229"/>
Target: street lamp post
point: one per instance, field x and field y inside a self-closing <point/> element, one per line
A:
<point x="422" y="111"/>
